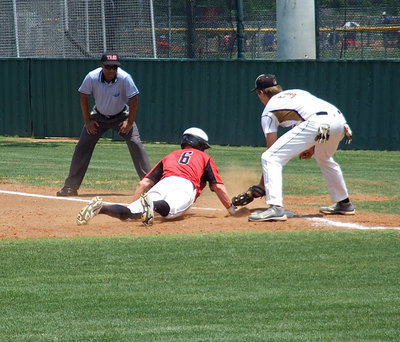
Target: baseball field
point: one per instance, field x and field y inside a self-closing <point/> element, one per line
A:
<point x="208" y="276"/>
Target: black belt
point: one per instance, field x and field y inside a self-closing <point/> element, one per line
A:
<point x="321" y="113"/>
<point x="110" y="116"/>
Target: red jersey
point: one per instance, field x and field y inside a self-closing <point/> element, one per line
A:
<point x="189" y="163"/>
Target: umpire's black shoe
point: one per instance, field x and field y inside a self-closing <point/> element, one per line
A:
<point x="67" y="191"/>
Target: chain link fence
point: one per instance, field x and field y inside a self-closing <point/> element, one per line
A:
<point x="359" y="32"/>
<point x="347" y="29"/>
<point x="75" y="28"/>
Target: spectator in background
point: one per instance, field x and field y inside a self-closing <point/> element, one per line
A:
<point x="163" y="45"/>
<point x="387" y="35"/>
<point x="269" y="42"/>
<point x="386" y="20"/>
<point x="350" y="36"/>
<point x="332" y="39"/>
<point x="228" y="41"/>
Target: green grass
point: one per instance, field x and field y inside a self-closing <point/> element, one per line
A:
<point x="270" y="286"/>
<point x="273" y="286"/>
<point x="47" y="164"/>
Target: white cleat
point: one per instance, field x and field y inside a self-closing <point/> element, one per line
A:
<point x="148" y="213"/>
<point x="273" y="213"/>
<point x="90" y="211"/>
<point x="339" y="209"/>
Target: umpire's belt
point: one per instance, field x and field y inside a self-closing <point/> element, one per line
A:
<point x="111" y="116"/>
<point x="321" y="113"/>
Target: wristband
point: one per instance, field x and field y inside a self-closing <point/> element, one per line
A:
<point x="231" y="209"/>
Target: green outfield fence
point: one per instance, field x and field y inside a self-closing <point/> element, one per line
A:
<point x="40" y="97"/>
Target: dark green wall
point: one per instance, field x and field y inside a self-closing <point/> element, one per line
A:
<point x="40" y="97"/>
<point x="15" y="111"/>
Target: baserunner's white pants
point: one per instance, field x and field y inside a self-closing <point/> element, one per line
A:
<point x="178" y="192"/>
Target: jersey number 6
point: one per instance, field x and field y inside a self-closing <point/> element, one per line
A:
<point x="185" y="157"/>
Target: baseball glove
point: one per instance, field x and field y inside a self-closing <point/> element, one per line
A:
<point x="348" y="133"/>
<point x="307" y="154"/>
<point x="246" y="197"/>
<point x="323" y="134"/>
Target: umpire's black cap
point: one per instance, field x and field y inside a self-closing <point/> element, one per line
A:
<point x="265" y="81"/>
<point x="110" y="58"/>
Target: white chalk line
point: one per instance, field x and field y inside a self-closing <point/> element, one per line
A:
<point x="318" y="221"/>
<point x="322" y="221"/>
<point x="74" y="199"/>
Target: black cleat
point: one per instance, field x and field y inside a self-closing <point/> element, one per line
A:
<point x="67" y="191"/>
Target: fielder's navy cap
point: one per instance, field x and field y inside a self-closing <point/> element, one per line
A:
<point x="265" y="81"/>
<point x="110" y="58"/>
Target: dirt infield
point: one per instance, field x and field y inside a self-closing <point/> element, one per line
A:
<point x="35" y="217"/>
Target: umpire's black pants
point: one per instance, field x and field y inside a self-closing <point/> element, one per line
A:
<point x="87" y="142"/>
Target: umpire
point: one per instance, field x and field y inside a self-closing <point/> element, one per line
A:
<point x="112" y="89"/>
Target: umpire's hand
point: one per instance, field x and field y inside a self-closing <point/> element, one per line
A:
<point x="91" y="127"/>
<point x="125" y="127"/>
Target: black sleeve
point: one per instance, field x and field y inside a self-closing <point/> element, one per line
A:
<point x="208" y="175"/>
<point x="156" y="173"/>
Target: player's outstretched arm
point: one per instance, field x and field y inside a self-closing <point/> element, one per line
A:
<point x="223" y="196"/>
<point x="144" y="185"/>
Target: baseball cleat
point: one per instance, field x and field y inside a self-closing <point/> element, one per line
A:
<point x="273" y="213"/>
<point x="148" y="213"/>
<point x="339" y="209"/>
<point x="67" y="191"/>
<point x="90" y="211"/>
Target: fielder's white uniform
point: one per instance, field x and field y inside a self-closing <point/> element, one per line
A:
<point x="307" y="113"/>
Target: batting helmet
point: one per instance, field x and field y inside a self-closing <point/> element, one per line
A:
<point x="196" y="138"/>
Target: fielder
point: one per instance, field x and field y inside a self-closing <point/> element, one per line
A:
<point x="318" y="127"/>
<point x="170" y="187"/>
